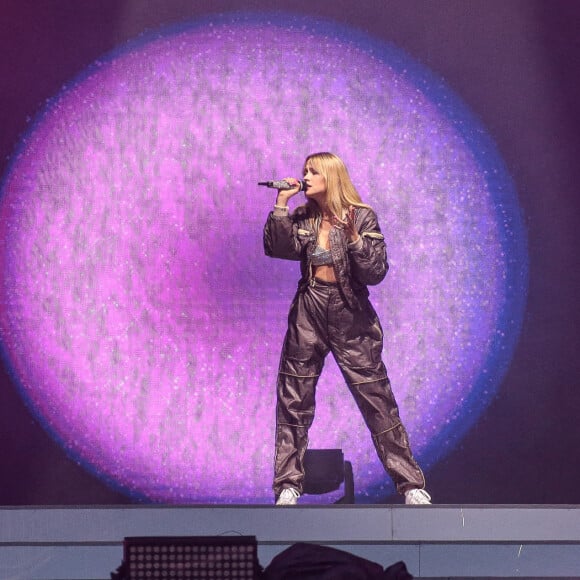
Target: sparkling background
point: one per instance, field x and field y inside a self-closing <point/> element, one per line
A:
<point x="141" y="317"/>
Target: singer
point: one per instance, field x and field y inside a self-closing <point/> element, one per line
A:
<point x="341" y="250"/>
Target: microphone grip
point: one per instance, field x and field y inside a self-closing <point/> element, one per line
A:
<point x="282" y="184"/>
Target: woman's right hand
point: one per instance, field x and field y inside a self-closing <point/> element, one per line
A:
<point x="285" y="194"/>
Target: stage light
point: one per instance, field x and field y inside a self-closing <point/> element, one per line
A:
<point x="325" y="471"/>
<point x="195" y="558"/>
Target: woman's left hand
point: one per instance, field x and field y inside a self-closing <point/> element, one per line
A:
<point x="347" y="224"/>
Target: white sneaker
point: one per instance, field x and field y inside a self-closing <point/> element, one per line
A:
<point x="417" y="496"/>
<point x="289" y="496"/>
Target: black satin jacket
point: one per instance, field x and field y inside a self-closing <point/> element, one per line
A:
<point x="358" y="265"/>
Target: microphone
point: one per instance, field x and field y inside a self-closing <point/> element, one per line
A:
<point x="283" y="184"/>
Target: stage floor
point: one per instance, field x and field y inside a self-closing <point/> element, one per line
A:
<point x="449" y="541"/>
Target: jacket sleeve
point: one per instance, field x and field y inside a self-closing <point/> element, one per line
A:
<point x="280" y="238"/>
<point x="368" y="256"/>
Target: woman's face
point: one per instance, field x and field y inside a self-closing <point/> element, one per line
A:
<point x="315" y="184"/>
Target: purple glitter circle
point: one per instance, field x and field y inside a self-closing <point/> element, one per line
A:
<point x="140" y="316"/>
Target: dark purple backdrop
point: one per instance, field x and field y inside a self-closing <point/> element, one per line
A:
<point x="515" y="64"/>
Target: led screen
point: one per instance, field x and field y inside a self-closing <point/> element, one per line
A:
<point x="141" y="318"/>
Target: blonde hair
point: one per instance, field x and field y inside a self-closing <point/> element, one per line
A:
<point x="340" y="191"/>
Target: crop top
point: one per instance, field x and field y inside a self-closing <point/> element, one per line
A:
<point x="321" y="257"/>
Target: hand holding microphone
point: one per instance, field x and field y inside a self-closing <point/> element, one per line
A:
<point x="287" y="188"/>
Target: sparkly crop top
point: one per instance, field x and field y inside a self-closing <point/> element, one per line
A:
<point x="321" y="257"/>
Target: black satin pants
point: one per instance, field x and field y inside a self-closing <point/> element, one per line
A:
<point x="319" y="322"/>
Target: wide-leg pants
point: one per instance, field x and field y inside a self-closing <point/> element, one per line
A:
<point x="320" y="322"/>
